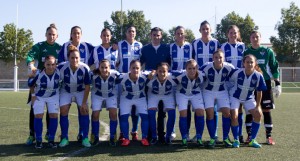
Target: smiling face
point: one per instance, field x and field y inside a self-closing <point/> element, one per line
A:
<point x="191" y="69"/>
<point x="50" y="65"/>
<point x="205" y="30"/>
<point x="51" y="35"/>
<point x="162" y="72"/>
<point x="156" y="37"/>
<point x="218" y="58"/>
<point x="233" y="35"/>
<point x="74" y="59"/>
<point x="180" y="35"/>
<point x="255" y="39"/>
<point x="135" y="69"/>
<point x="104" y="69"/>
<point x="76" y="34"/>
<point x="249" y="63"/>
<point x="105" y="37"/>
<point x="130" y="34"/>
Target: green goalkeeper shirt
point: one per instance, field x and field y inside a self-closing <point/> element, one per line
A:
<point x="39" y="51"/>
<point x="266" y="61"/>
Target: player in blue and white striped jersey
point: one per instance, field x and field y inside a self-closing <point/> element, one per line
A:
<point x="129" y="50"/>
<point x="180" y="51"/>
<point x="45" y="91"/>
<point x="104" y="89"/>
<point x="215" y="90"/>
<point x="188" y="90"/>
<point x="104" y="51"/>
<point x="161" y="89"/>
<point x="85" y="49"/>
<point x="234" y="50"/>
<point x="133" y="93"/>
<point x="204" y="47"/>
<point x="75" y="83"/>
<point x="246" y="81"/>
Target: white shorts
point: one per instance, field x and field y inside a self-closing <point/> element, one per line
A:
<point x="183" y="100"/>
<point x="168" y="100"/>
<point x="248" y="105"/>
<point x="111" y="102"/>
<point x="66" y="98"/>
<point x="51" y="102"/>
<point x="221" y="98"/>
<point x="126" y="105"/>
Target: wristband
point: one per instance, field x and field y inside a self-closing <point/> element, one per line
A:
<point x="32" y="95"/>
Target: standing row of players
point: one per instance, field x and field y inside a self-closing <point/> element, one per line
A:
<point x="176" y="54"/>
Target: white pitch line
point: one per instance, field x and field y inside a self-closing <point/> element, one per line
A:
<point x="77" y="152"/>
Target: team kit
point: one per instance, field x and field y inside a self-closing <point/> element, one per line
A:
<point x="152" y="82"/>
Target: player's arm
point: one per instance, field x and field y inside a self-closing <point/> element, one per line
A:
<point x="32" y="55"/>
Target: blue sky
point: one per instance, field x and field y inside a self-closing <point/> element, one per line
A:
<point x="36" y="15"/>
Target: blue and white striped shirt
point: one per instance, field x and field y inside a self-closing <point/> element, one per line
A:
<point x="244" y="86"/>
<point x="180" y="55"/>
<point x="165" y="88"/>
<point x="74" y="81"/>
<point x="127" y="53"/>
<point x="100" y="53"/>
<point x="105" y="88"/>
<point x="131" y="89"/>
<point x="189" y="87"/>
<point x="45" y="85"/>
<point x="204" y="51"/>
<point x="234" y="53"/>
<point x="216" y="79"/>
<point x="85" y="50"/>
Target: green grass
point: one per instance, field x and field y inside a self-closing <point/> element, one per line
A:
<point x="14" y="131"/>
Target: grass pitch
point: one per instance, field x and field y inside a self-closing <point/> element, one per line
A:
<point x="14" y="115"/>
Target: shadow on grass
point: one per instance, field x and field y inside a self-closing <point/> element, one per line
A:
<point x="75" y="149"/>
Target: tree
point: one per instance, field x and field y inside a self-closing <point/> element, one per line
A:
<point x="121" y="20"/>
<point x="287" y="45"/>
<point x="189" y="35"/>
<point x="8" y="43"/>
<point x="246" y="25"/>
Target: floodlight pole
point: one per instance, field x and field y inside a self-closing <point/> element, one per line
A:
<point x="121" y="19"/>
<point x="16" y="88"/>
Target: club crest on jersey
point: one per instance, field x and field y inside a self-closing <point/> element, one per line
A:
<point x="141" y="84"/>
<point x="136" y="48"/>
<point x="82" y="50"/>
<point x="100" y="53"/>
<point x="124" y="48"/>
<point x="174" y="51"/>
<point x="253" y="81"/>
<point x="110" y="83"/>
<point x="211" y="47"/>
<point x="262" y="53"/>
<point x="67" y="75"/>
<point x="211" y="74"/>
<point x="224" y="74"/>
<point x="56" y="81"/>
<point x="80" y="77"/>
<point x="98" y="83"/>
<point x="186" y="50"/>
<point x="57" y="51"/>
<point x="168" y="86"/>
<point x="240" y="50"/>
<point x="45" y="50"/>
<point x="200" y="48"/>
<point x="240" y="78"/>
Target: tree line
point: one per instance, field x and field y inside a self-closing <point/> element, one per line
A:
<point x="286" y="45"/>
